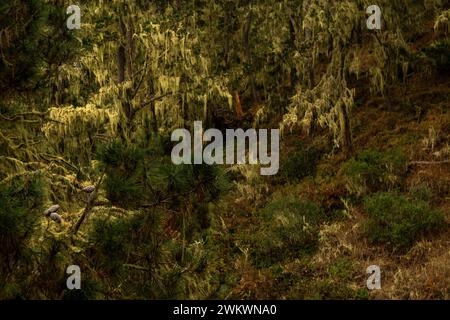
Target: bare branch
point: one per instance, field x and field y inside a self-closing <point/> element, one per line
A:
<point x="419" y="163"/>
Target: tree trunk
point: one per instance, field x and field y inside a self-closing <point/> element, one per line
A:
<point x="248" y="55"/>
<point x="346" y="132"/>
<point x="130" y="48"/>
<point x="121" y="59"/>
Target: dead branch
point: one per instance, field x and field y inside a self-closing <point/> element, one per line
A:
<point x="136" y="267"/>
<point x="419" y="163"/>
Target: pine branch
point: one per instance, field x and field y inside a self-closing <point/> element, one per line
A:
<point x="89" y="206"/>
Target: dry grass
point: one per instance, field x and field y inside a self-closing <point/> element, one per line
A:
<point x="422" y="273"/>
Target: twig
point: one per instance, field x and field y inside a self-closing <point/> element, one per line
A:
<point x="428" y="162"/>
<point x="136" y="89"/>
<point x="152" y="99"/>
<point x="133" y="266"/>
<point x="60" y="159"/>
<point x="154" y="204"/>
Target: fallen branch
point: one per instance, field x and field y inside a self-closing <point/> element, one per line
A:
<point x="419" y="163"/>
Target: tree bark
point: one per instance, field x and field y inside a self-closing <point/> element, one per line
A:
<point x="121" y="59"/>
<point x="347" y="132"/>
<point x="248" y="55"/>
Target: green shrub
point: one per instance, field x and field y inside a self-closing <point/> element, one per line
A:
<point x="336" y="282"/>
<point x="398" y="221"/>
<point x="374" y="171"/>
<point x="290" y="229"/>
<point x="299" y="164"/>
<point x="421" y="192"/>
<point x="439" y="52"/>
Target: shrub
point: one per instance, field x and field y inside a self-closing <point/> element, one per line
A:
<point x="336" y="282"/>
<point x="299" y="164"/>
<point x="421" y="192"/>
<point x="374" y="171"/>
<point x="398" y="221"/>
<point x="290" y="229"/>
<point x="439" y="52"/>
